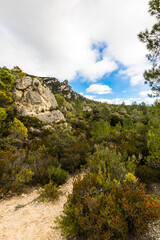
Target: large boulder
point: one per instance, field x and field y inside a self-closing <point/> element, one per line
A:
<point x="34" y="99"/>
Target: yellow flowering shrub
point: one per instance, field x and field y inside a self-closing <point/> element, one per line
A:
<point x="18" y="128"/>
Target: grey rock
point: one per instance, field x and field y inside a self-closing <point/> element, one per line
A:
<point x="34" y="99"/>
<point x="49" y="116"/>
<point x="61" y="87"/>
<point x="23" y="83"/>
<point x="87" y="109"/>
<point x="46" y="127"/>
<point x="34" y="130"/>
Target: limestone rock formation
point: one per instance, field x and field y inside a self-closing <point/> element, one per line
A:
<point x="34" y="99"/>
<point x="61" y="87"/>
<point x="87" y="109"/>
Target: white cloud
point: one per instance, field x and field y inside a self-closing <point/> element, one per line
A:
<point x="111" y="101"/>
<point x="137" y="80"/>
<point x="135" y="73"/>
<point x="99" y="89"/>
<point x="89" y="97"/>
<point x="147" y="93"/>
<point x="54" y="38"/>
<point x="95" y="70"/>
<point x="129" y="101"/>
<point x="149" y="100"/>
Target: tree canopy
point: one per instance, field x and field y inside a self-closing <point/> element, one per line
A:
<point x="6" y="82"/>
<point x="152" y="40"/>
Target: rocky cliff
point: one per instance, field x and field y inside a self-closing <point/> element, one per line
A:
<point x="34" y="99"/>
<point x="61" y="87"/>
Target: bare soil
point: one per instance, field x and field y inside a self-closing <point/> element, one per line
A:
<point x="35" y="221"/>
<point x="32" y="220"/>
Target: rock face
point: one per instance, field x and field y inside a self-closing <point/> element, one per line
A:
<point x="33" y="99"/>
<point x="61" y="87"/>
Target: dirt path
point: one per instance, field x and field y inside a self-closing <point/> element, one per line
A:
<point x="33" y="221"/>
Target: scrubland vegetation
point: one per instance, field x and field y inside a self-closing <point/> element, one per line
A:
<point x="116" y="146"/>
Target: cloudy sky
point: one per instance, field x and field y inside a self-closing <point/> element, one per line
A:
<point x="92" y="43"/>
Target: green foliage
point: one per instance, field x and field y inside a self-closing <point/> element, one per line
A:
<point x="102" y="209"/>
<point x="3" y="114"/>
<point x="39" y="160"/>
<point x="22" y="179"/>
<point x="57" y="175"/>
<point x="137" y="115"/>
<point x="128" y="124"/>
<point x="70" y="116"/>
<point x="29" y="121"/>
<point x="105" y="113"/>
<point x="114" y="165"/>
<point x="6" y="83"/>
<point x="147" y="174"/>
<point x="153" y="144"/>
<point x="109" y="142"/>
<point x="151" y="39"/>
<point x="10" y="143"/>
<point x="70" y="150"/>
<point x="100" y="130"/>
<point x="25" y="176"/>
<point x="17" y="72"/>
<point x="61" y="100"/>
<point x="18" y="129"/>
<point x="116" y="118"/>
<point x="50" y="192"/>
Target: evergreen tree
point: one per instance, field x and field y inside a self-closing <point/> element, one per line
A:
<point x="6" y="83"/>
<point x="152" y="40"/>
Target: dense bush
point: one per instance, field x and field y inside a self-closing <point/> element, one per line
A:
<point x="109" y="141"/>
<point x="57" y="175"/>
<point x="49" y="192"/>
<point x="147" y="174"/>
<point x="102" y="209"/>
<point x="21" y="180"/>
<point x="29" y="121"/>
<point x="112" y="163"/>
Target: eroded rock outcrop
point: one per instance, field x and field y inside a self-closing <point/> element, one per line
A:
<point x="61" y="87"/>
<point x="34" y="99"/>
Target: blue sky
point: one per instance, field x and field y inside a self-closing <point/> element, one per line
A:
<point x="92" y="43"/>
<point x="120" y="88"/>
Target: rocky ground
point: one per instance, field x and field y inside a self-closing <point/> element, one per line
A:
<point x="24" y="218"/>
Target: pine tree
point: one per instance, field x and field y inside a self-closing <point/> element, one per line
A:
<point x="6" y="83"/>
<point x="152" y="40"/>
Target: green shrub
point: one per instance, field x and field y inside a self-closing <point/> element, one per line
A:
<point x="112" y="163"/>
<point x="49" y="192"/>
<point x="57" y="175"/>
<point x="29" y="121"/>
<point x="61" y="100"/>
<point x="147" y="174"/>
<point x="22" y="179"/>
<point x="153" y="139"/>
<point x="18" y="129"/>
<point x="25" y="176"/>
<point x="100" y="130"/>
<point x="102" y="209"/>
